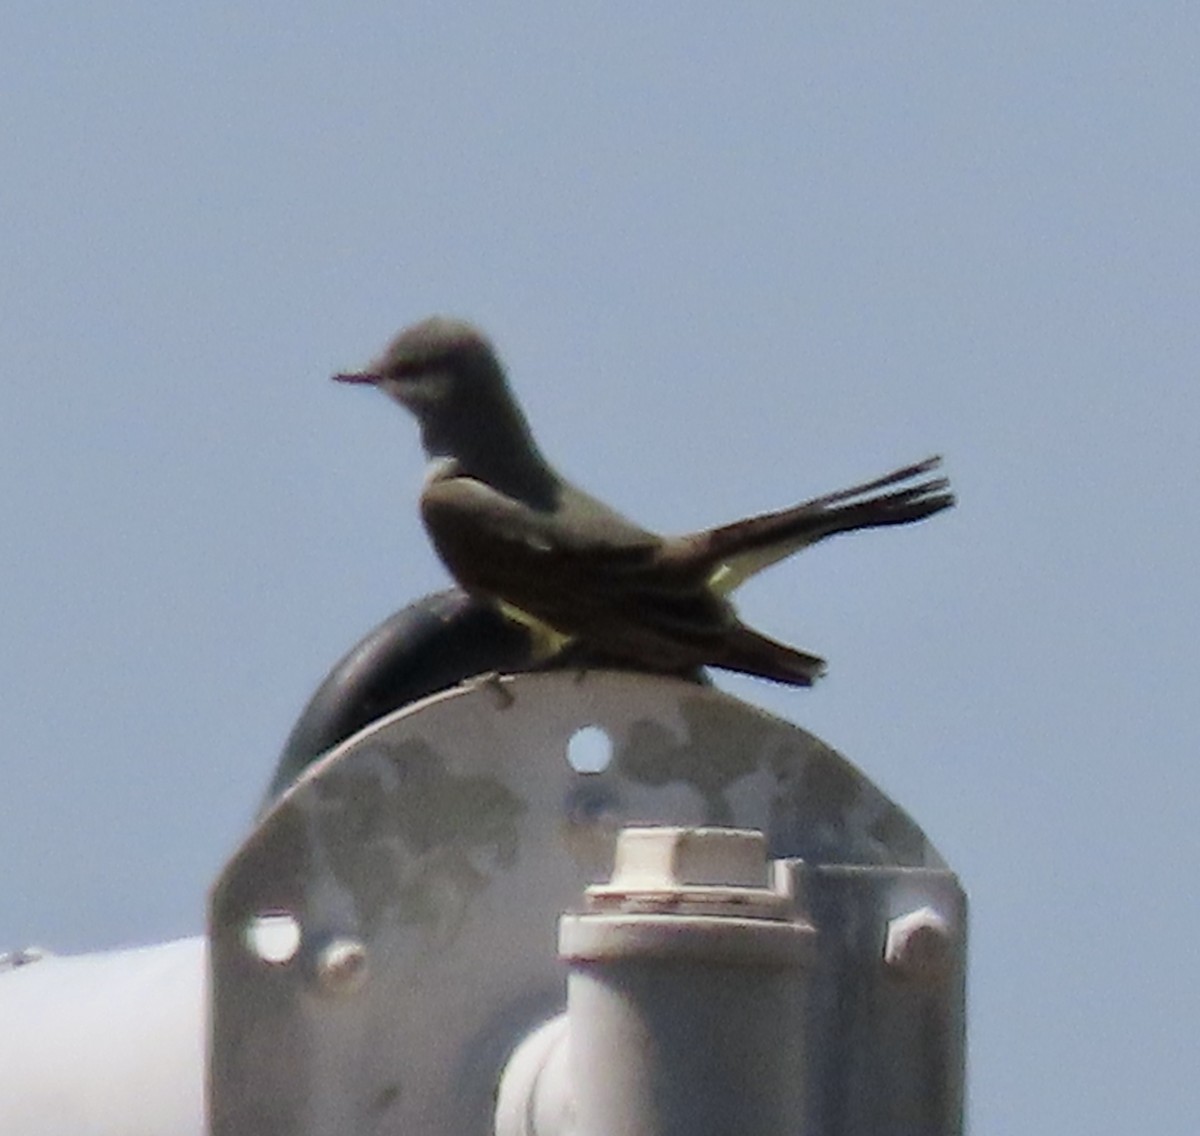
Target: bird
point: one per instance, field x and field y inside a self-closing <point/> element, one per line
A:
<point x="591" y="584"/>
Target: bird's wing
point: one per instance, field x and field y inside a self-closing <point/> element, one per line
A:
<point x="580" y="567"/>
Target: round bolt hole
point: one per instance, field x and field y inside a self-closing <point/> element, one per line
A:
<point x="273" y="936"/>
<point x="589" y="750"/>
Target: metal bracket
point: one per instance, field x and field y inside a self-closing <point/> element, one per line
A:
<point x="386" y="934"/>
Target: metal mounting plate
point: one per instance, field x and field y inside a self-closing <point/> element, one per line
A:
<point x="418" y="871"/>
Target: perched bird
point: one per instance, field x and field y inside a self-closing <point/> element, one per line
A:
<point x="593" y="584"/>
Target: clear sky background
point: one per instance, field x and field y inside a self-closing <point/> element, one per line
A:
<point x="733" y="258"/>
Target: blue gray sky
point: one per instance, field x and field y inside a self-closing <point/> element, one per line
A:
<point x="733" y="257"/>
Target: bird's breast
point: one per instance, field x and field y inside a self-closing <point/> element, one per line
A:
<point x="440" y="468"/>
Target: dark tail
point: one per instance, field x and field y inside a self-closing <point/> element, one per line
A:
<point x="749" y="545"/>
<point x="745" y="650"/>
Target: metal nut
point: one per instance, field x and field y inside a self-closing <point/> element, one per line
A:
<point x="918" y="945"/>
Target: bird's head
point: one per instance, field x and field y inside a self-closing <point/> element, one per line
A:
<point x="446" y="372"/>
<point x="432" y="367"/>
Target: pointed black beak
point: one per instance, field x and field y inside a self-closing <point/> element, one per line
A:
<point x="368" y="377"/>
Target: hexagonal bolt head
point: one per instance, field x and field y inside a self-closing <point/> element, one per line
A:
<point x="919" y="945"/>
<point x="341" y="966"/>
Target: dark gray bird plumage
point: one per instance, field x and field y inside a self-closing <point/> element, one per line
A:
<point x="510" y="529"/>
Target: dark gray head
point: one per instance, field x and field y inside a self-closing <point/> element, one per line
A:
<point x="432" y="363"/>
<point x="446" y="372"/>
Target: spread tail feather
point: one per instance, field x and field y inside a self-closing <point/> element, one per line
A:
<point x="739" y="550"/>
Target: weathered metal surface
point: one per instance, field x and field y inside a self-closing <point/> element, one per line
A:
<point x="423" y="866"/>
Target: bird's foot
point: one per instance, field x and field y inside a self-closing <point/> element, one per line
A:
<point x="493" y="681"/>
